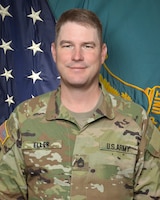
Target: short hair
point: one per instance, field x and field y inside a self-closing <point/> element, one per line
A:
<point x="81" y="16"/>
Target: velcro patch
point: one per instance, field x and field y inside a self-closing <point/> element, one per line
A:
<point x="3" y="133"/>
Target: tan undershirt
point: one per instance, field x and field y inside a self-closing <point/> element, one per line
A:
<point x="82" y="118"/>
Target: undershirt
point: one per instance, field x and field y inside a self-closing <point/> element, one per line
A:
<point x="82" y="118"/>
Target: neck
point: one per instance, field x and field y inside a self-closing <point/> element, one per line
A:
<point x="80" y="100"/>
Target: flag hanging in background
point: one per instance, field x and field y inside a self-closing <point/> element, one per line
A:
<point x="26" y="65"/>
<point x="131" y="30"/>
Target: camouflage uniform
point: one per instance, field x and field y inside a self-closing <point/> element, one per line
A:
<point x="47" y="155"/>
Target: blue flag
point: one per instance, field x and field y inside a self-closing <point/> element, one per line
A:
<point x="26" y="65"/>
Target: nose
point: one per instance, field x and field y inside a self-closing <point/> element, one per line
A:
<point x="77" y="54"/>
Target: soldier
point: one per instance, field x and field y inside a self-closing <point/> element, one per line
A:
<point x="79" y="142"/>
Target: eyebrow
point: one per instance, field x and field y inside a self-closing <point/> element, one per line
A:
<point x="64" y="41"/>
<point x="90" y="42"/>
<point x="84" y="43"/>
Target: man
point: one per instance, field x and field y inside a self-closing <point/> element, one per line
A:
<point x="79" y="142"/>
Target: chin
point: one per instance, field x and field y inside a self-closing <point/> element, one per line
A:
<point x="77" y="85"/>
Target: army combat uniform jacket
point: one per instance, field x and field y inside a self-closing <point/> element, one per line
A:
<point x="46" y="155"/>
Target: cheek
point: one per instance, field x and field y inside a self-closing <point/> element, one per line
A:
<point x="63" y="57"/>
<point x="95" y="59"/>
<point x="61" y="61"/>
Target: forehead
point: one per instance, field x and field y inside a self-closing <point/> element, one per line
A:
<point x="73" y="30"/>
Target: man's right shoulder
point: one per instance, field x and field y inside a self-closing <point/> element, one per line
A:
<point x="6" y="140"/>
<point x="24" y="111"/>
<point x="37" y="104"/>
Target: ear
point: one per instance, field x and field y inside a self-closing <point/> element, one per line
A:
<point x="103" y="53"/>
<point x="53" y="51"/>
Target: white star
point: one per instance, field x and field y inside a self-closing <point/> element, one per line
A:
<point x="6" y="46"/>
<point x="7" y="74"/>
<point x="4" y="12"/>
<point x="35" y="16"/>
<point x="9" y="100"/>
<point x="35" y="76"/>
<point x="35" y="47"/>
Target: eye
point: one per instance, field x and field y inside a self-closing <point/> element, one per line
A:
<point x="67" y="46"/>
<point x="88" y="46"/>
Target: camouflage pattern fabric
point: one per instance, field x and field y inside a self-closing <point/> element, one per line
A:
<point x="45" y="155"/>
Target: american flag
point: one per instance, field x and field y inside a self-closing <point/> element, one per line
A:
<point x="26" y="65"/>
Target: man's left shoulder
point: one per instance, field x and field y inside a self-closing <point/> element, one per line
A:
<point x="129" y="108"/>
<point x="153" y="139"/>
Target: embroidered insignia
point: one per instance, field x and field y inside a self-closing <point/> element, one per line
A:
<point x="3" y="133"/>
<point x="115" y="147"/>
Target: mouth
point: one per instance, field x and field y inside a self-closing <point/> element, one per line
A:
<point x="77" y="67"/>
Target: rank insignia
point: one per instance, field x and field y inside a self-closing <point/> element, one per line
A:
<point x="3" y="133"/>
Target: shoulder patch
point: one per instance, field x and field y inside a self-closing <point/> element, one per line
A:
<point x="3" y="133"/>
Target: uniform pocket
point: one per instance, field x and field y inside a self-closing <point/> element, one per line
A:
<point x="47" y="168"/>
<point x="119" y="158"/>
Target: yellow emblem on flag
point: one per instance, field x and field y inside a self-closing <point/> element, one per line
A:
<point x="154" y="102"/>
<point x="119" y="87"/>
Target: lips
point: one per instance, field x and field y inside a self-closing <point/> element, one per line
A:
<point x="77" y="66"/>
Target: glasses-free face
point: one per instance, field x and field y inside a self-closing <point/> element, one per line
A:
<point x="78" y="54"/>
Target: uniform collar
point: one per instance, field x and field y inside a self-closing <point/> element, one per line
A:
<point x="106" y="108"/>
<point x="55" y="109"/>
